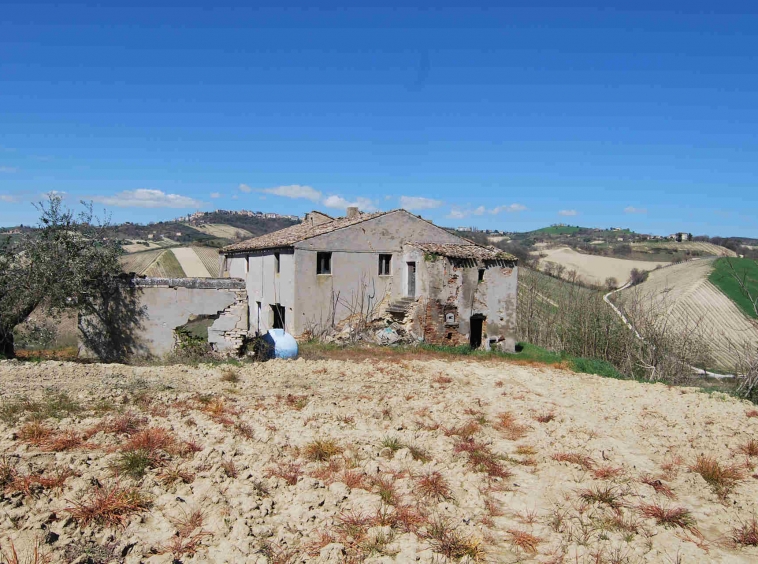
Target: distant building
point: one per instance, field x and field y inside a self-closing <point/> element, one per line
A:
<point x="679" y="237"/>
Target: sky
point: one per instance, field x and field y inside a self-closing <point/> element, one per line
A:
<point x="506" y="116"/>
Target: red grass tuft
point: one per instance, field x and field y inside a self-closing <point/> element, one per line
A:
<point x="658" y="486"/>
<point x="507" y="424"/>
<point x="287" y="471"/>
<point x="467" y="430"/>
<point x="752" y="413"/>
<point x="109" y="506"/>
<point x="671" y="517"/>
<point x="746" y="534"/>
<point x="722" y="479"/>
<point x="63" y="441"/>
<point x="433" y="485"/>
<point x="750" y="448"/>
<point x="482" y="459"/>
<point x="607" y="472"/>
<point x="34" y="433"/>
<point x="546" y="417"/>
<point x="575" y="458"/>
<point x="525" y="541"/>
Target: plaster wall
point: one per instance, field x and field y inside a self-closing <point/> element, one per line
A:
<point x="355" y="266"/>
<point x="267" y="287"/>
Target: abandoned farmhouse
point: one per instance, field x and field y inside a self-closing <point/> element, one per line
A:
<point x="335" y="274"/>
<point x="325" y="271"/>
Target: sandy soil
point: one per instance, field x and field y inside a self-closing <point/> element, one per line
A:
<point x="477" y="460"/>
<point x="595" y="269"/>
<point x="688" y="299"/>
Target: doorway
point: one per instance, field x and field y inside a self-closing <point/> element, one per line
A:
<point x="476" y="326"/>
<point x="278" y="312"/>
<point x="411" y="279"/>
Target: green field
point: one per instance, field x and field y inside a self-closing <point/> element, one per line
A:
<point x="722" y="277"/>
<point x="557" y="230"/>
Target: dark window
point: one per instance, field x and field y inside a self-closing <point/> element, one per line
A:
<point x="278" y="312"/>
<point x="481" y="274"/>
<point x="276" y="263"/>
<point x="385" y="262"/>
<point x="323" y="263"/>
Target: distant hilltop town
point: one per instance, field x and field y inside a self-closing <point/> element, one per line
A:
<point x="200" y="216"/>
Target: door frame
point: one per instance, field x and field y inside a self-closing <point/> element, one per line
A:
<point x="410" y="267"/>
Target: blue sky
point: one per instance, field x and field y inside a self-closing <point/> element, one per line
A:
<point x="502" y="117"/>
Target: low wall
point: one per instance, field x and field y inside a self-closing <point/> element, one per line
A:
<point x="153" y="308"/>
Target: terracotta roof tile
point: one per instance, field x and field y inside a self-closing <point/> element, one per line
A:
<point x="300" y="232"/>
<point x="469" y="251"/>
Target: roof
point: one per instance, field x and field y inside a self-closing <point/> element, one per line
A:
<point x="289" y="236"/>
<point x="469" y="251"/>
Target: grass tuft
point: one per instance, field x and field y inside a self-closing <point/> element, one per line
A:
<point x="507" y="424"/>
<point x="575" y="458"/>
<point x="746" y="533"/>
<point x="321" y="450"/>
<point x="482" y="459"/>
<point x="722" y="479"/>
<point x="525" y="541"/>
<point x="450" y="543"/>
<point x="668" y="517"/>
<point x="109" y="506"/>
<point x="433" y="485"/>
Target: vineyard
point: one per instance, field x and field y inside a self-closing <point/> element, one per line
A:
<point x="682" y="295"/>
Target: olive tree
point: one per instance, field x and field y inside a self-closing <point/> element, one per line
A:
<point x="67" y="263"/>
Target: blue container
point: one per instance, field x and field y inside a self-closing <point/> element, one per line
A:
<point x="283" y="345"/>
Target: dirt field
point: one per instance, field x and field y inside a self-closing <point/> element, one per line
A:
<point x="381" y="460"/>
<point x="700" y="246"/>
<point x="685" y="294"/>
<point x="595" y="269"/>
<point x="223" y="230"/>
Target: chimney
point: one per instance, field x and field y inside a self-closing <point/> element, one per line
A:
<point x="353" y="212"/>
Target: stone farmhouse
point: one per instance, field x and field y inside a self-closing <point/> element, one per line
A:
<point x="328" y="272"/>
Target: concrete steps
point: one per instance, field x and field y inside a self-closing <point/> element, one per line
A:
<point x="401" y="306"/>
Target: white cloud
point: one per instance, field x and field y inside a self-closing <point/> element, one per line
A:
<point x="340" y="203"/>
<point x="460" y="213"/>
<point x="8" y="169"/>
<point x="457" y="213"/>
<point x="215" y="195"/>
<point x="568" y="212"/>
<point x="292" y="191"/>
<point x="631" y="209"/>
<point x="9" y="198"/>
<point x="144" y="198"/>
<point x="511" y="208"/>
<point x="245" y="188"/>
<point x="418" y="203"/>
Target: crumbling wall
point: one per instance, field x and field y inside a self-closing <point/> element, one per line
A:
<point x="166" y="304"/>
<point x="453" y="294"/>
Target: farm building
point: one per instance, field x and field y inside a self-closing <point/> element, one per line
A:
<point x="326" y="272"/>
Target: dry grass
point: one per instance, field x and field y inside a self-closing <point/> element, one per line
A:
<point x="186" y="541"/>
<point x="575" y="458"/>
<point x="66" y="440"/>
<point x="750" y="448"/>
<point x="33" y="484"/>
<point x="524" y="541"/>
<point x="668" y="517"/>
<point x="545" y="417"/>
<point x="34" y="433"/>
<point x="385" y="487"/>
<point x="658" y="486"/>
<point x="722" y="479"/>
<point x="433" y="485"/>
<point x="512" y="429"/>
<point x="109" y="506"/>
<point x="171" y="475"/>
<point x="482" y="459"/>
<point x="605" y="494"/>
<point x="290" y="472"/>
<point x="751" y="413"/>
<point x="229" y="468"/>
<point x="607" y="472"/>
<point x="11" y="556"/>
<point x="746" y="533"/>
<point x="445" y="540"/>
<point x="321" y="450"/>
<point x="230" y="375"/>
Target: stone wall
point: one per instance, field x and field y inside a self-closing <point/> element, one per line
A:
<point x="158" y="306"/>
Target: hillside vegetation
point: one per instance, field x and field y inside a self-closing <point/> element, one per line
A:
<point x="722" y="277"/>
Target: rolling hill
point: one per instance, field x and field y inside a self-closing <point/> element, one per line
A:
<point x="687" y="297"/>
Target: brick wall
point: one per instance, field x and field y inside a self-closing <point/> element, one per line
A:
<point x="436" y="331"/>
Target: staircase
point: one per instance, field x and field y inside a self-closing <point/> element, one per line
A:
<point x="401" y="306"/>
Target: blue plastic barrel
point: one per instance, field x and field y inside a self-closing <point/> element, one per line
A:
<point x="283" y="345"/>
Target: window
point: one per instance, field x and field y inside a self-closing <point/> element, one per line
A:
<point x="385" y="262"/>
<point x="276" y="263"/>
<point x="278" y="312"/>
<point x="323" y="263"/>
<point x="481" y="275"/>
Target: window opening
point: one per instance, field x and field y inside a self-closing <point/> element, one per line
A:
<point x="323" y="263"/>
<point x="385" y="263"/>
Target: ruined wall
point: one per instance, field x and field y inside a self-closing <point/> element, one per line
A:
<point x="267" y="287"/>
<point x="167" y="303"/>
<point x="451" y="287"/>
